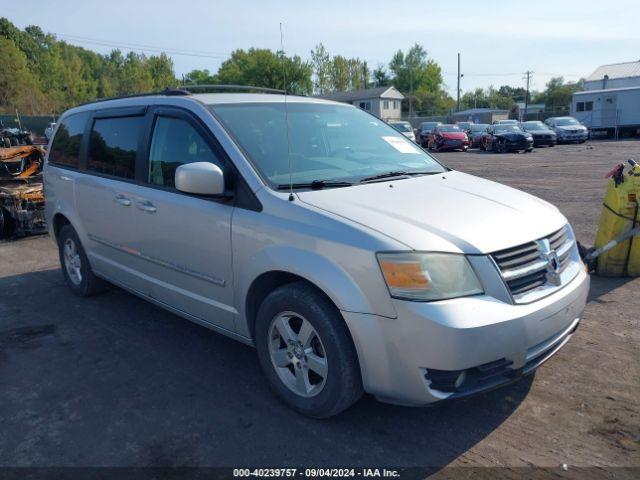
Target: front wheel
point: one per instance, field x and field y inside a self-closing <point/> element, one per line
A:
<point x="306" y="351"/>
<point x="75" y="265"/>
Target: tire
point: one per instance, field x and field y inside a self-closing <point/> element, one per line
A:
<point x="75" y="265"/>
<point x="328" y="341"/>
<point x="29" y="139"/>
<point x="529" y="150"/>
<point x="14" y="141"/>
<point x="6" y="142"/>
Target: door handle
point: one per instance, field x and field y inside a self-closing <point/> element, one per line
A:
<point x="64" y="178"/>
<point x="146" y="206"/>
<point x="122" y="200"/>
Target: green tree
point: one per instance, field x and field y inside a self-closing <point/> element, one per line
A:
<point x="264" y="68"/>
<point x="321" y="63"/>
<point x="558" y="94"/>
<point x="199" y="77"/>
<point x="340" y="74"/>
<point x="380" y="76"/>
<point x="19" y="88"/>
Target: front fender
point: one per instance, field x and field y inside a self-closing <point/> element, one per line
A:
<point x="330" y="277"/>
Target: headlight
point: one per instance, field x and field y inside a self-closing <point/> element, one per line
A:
<point x="428" y="276"/>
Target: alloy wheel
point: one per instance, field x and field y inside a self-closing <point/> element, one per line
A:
<point x="72" y="261"/>
<point x="297" y="354"/>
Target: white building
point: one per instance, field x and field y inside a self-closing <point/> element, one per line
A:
<point x="383" y="102"/>
<point x="611" y="99"/>
<point x="616" y="75"/>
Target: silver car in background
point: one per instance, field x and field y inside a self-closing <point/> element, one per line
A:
<point x="568" y="129"/>
<point x="349" y="257"/>
<point x="404" y="128"/>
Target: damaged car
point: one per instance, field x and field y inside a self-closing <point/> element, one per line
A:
<point x="21" y="192"/>
<point x="507" y="137"/>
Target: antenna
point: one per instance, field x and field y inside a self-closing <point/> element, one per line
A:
<point x="286" y="114"/>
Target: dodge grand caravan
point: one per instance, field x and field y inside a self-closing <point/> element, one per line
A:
<point x="350" y="258"/>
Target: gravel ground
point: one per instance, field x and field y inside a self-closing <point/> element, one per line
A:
<point x="115" y="381"/>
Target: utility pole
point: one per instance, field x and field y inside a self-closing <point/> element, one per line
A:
<point x="458" y="89"/>
<point x="527" y="76"/>
<point x="411" y="90"/>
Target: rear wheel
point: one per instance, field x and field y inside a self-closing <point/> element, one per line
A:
<point x="75" y="265"/>
<point x="306" y="351"/>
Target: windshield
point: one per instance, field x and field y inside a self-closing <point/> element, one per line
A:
<point x="426" y="126"/>
<point x="479" y="127"/>
<point x="507" y="127"/>
<point x="563" y="122"/>
<point x="449" y="128"/>
<point x="328" y="142"/>
<point x="402" y="126"/>
<point x="534" y="126"/>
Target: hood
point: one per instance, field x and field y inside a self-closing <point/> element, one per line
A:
<point x="448" y="212"/>
<point x="454" y="135"/>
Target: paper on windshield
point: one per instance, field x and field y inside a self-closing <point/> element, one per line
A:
<point x="400" y="145"/>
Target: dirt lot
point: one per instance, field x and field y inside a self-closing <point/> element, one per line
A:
<point x="115" y="381"/>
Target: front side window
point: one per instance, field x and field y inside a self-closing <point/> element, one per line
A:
<point x="65" y="149"/>
<point x="327" y="142"/>
<point x="174" y="143"/>
<point x="113" y="144"/>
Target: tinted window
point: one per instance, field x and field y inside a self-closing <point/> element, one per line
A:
<point x="174" y="143"/>
<point x="113" y="145"/>
<point x="65" y="149"/>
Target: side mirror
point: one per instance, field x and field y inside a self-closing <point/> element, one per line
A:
<point x="201" y="178"/>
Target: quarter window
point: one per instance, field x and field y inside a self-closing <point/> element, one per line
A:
<point x="65" y="149"/>
<point x="113" y="146"/>
<point x="174" y="143"/>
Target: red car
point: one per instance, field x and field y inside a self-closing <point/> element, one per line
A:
<point x="448" y="137"/>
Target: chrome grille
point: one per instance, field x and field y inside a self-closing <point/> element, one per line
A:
<point x="524" y="268"/>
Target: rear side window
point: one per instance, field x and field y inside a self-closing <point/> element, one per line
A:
<point x="113" y="145"/>
<point x="174" y="143"/>
<point x="65" y="149"/>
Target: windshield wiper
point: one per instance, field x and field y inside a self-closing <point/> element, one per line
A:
<point x="393" y="174"/>
<point x="315" y="185"/>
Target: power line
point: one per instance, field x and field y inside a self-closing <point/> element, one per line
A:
<point x="142" y="48"/>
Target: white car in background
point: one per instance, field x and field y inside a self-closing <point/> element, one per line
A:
<point x="404" y="128"/>
<point x="48" y="132"/>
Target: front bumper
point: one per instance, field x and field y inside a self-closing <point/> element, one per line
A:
<point x="544" y="140"/>
<point x="573" y="137"/>
<point x="449" y="144"/>
<point x="400" y="358"/>
<point x="519" y="144"/>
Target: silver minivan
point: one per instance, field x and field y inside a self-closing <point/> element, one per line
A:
<point x="349" y="257"/>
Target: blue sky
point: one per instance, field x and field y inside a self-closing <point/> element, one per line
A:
<point x="498" y="40"/>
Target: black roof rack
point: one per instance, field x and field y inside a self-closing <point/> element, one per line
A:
<point x="167" y="91"/>
<point x="242" y="88"/>
<point x="186" y="90"/>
